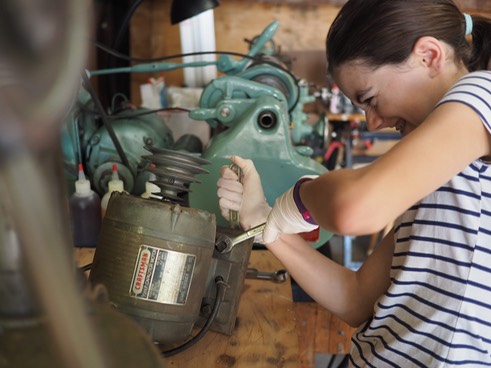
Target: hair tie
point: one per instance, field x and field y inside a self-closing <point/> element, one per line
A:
<point x="468" y="24"/>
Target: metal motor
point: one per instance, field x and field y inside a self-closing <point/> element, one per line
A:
<point x="156" y="257"/>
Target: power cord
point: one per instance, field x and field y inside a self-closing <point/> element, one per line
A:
<point x="238" y="54"/>
<point x="221" y="288"/>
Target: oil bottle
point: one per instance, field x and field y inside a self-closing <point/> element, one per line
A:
<point x="115" y="184"/>
<point x="85" y="212"/>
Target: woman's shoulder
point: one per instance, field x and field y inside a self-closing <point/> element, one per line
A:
<point x="472" y="88"/>
<point x="480" y="76"/>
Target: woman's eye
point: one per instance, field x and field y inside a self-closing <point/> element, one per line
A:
<point x="368" y="102"/>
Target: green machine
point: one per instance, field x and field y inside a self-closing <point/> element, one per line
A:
<point x="119" y="140"/>
<point x="257" y="121"/>
<point x="255" y="111"/>
<point x="157" y="258"/>
<point x="259" y="114"/>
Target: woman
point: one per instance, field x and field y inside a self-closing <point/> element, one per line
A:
<point x="423" y="298"/>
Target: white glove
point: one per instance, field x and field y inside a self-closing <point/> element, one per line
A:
<point x="286" y="217"/>
<point x="246" y="197"/>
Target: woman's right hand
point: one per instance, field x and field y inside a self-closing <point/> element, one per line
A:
<point x="247" y="197"/>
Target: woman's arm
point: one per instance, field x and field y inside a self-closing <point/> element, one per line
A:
<point x="363" y="201"/>
<point x="349" y="294"/>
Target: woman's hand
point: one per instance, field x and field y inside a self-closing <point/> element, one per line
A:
<point x="247" y="197"/>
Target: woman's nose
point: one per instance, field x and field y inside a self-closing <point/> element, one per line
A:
<point x="374" y="120"/>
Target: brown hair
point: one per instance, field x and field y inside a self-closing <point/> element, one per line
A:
<point x="383" y="32"/>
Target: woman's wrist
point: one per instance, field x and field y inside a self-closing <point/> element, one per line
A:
<point x="298" y="201"/>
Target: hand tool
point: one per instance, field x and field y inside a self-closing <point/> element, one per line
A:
<point x="234" y="215"/>
<point x="276" y="276"/>
<point x="224" y="243"/>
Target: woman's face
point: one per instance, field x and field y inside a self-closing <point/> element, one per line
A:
<point x="398" y="96"/>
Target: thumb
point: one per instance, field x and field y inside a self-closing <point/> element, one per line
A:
<point x="245" y="164"/>
<point x="249" y="172"/>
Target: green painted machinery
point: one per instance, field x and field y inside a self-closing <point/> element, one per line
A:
<point x="252" y="109"/>
<point x="255" y="110"/>
<point x="85" y="139"/>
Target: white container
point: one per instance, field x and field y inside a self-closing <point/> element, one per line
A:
<point x="115" y="184"/>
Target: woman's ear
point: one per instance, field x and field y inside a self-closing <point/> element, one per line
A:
<point x="431" y="53"/>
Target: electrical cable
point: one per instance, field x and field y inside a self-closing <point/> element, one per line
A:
<point x="176" y="56"/>
<point x="221" y="288"/>
<point x="119" y="38"/>
<point x="125" y="116"/>
<point x="126" y="21"/>
<point x="344" y="362"/>
<point x="331" y="361"/>
<point x="87" y="267"/>
<point x="106" y="121"/>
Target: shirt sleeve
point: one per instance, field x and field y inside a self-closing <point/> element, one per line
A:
<point x="473" y="90"/>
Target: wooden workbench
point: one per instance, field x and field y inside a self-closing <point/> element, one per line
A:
<point x="265" y="333"/>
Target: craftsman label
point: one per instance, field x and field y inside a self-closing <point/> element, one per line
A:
<point x="162" y="276"/>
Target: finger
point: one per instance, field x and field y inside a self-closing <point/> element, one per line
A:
<point x="245" y="164"/>
<point x="228" y="173"/>
<point x="230" y="185"/>
<point x="225" y="212"/>
<point x="229" y="196"/>
<point x="228" y="204"/>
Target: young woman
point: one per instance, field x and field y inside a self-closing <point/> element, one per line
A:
<point x="423" y="298"/>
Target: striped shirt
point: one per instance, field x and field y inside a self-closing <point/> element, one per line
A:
<point x="437" y="309"/>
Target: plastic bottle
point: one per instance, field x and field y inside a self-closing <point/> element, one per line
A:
<point x="85" y="212"/>
<point x="115" y="184"/>
<point x="151" y="190"/>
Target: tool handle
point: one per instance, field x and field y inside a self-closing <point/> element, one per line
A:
<point x="252" y="232"/>
<point x="234" y="215"/>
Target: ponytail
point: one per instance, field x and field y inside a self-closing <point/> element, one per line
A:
<point x="481" y="44"/>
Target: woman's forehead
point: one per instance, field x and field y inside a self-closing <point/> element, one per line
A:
<point x="352" y="75"/>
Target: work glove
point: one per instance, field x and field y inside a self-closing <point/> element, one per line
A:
<point x="247" y="197"/>
<point x="289" y="215"/>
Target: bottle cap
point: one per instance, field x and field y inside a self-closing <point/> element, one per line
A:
<point x="115" y="175"/>
<point x="115" y="185"/>
<point x="82" y="186"/>
<point x="81" y="174"/>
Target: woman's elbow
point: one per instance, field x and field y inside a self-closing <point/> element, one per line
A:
<point x="350" y="216"/>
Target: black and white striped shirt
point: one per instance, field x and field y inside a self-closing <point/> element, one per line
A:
<point x="437" y="310"/>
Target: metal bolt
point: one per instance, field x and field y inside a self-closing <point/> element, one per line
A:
<point x="225" y="111"/>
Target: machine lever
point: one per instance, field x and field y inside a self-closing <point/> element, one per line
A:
<point x="224" y="243"/>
